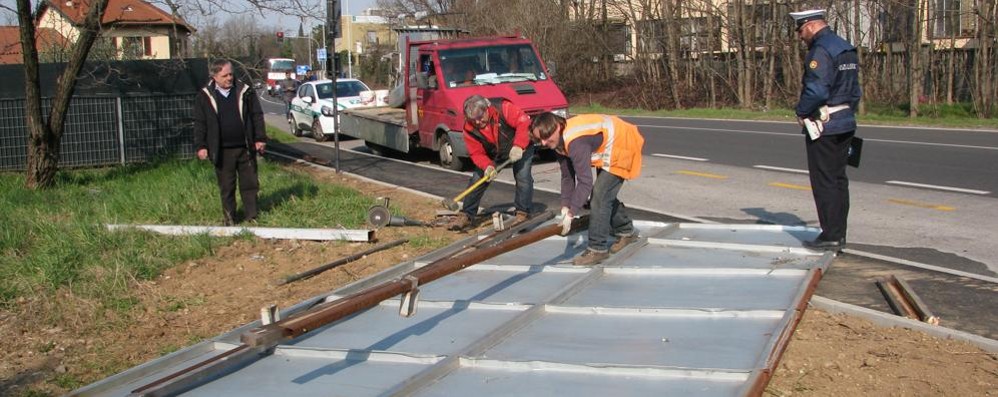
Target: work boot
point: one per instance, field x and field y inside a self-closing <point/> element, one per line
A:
<point x="590" y="258"/>
<point x="521" y="216"/>
<point x="622" y="242"/>
<point x="460" y="223"/>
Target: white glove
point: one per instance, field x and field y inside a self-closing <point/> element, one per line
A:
<point x="516" y="153"/>
<point x="565" y="211"/>
<point x="490" y="173"/>
<point x="566" y="221"/>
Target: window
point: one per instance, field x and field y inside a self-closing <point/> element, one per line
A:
<point x="132" y="48"/>
<point x="147" y="45"/>
<point x="372" y="37"/>
<point x="953" y="18"/>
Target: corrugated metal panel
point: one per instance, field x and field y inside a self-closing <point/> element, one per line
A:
<point x="693" y="310"/>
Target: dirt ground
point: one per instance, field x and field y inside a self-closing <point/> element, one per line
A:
<point x="54" y="346"/>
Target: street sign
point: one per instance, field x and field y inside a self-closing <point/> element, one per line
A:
<point x="320" y="54"/>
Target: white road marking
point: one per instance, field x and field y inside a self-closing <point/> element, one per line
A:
<point x="795" y="134"/>
<point x="772" y="168"/>
<point x="937" y="187"/>
<point x="671" y="156"/>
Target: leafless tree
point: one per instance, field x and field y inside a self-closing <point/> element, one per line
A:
<point x="45" y="130"/>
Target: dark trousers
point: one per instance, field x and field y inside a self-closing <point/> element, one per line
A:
<point x="524" y="197"/>
<point x="237" y="161"/>
<point x="826" y="165"/>
<point x="607" y="214"/>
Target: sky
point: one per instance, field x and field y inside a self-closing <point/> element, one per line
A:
<point x="290" y="24"/>
<point x="349" y="7"/>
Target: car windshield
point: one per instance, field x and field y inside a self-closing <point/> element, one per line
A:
<point x="490" y="65"/>
<point x="343" y="89"/>
<point x="282" y="65"/>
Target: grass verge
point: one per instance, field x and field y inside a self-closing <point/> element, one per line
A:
<point x="56" y="238"/>
<point x="948" y="116"/>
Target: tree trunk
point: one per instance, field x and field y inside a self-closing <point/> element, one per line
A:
<point x="46" y="134"/>
<point x="915" y="63"/>
<point x="671" y="16"/>
<point x="858" y="42"/>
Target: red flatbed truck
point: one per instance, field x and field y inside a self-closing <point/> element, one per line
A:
<point x="439" y="76"/>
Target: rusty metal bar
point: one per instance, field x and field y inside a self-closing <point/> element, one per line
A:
<point x="181" y="380"/>
<point x="341" y="261"/>
<point x="895" y="298"/>
<point x="329" y="312"/>
<point x="765" y="374"/>
<point x="923" y="312"/>
<point x="903" y="300"/>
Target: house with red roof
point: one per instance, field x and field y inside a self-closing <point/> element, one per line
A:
<point x="130" y="29"/>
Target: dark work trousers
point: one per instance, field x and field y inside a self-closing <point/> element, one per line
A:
<point x="524" y="197"/>
<point x="826" y="165"/>
<point x="607" y="214"/>
<point x="237" y="161"/>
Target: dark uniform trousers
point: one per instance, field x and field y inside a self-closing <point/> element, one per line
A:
<point x="826" y="164"/>
<point x="237" y="161"/>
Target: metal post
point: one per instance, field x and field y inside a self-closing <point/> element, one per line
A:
<point x="121" y="129"/>
<point x="332" y="20"/>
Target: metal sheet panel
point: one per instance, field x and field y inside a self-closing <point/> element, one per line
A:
<point x="689" y="310"/>
<point x="643" y="289"/>
<point x="501" y="284"/>
<point x="553" y="382"/>
<point x="317" y="373"/>
<point x="434" y="329"/>
<point x="684" y="339"/>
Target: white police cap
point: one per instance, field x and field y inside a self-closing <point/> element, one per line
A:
<point x="802" y="17"/>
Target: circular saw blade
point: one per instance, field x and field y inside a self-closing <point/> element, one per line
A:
<point x="378" y="216"/>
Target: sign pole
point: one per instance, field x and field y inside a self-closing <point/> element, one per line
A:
<point x="333" y="22"/>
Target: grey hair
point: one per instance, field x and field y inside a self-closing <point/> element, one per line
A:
<point x="217" y="65"/>
<point x="475" y="106"/>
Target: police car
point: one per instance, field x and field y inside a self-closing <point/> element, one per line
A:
<point x="312" y="106"/>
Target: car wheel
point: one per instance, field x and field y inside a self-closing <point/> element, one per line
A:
<point x="447" y="158"/>
<point x="294" y="127"/>
<point x="317" y="132"/>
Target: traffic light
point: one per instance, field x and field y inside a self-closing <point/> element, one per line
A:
<point x="280" y="37"/>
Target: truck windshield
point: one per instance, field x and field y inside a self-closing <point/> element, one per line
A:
<point x="343" y="89"/>
<point x="490" y="65"/>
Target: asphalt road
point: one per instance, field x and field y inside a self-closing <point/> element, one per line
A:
<point x="953" y="160"/>
<point x="738" y="171"/>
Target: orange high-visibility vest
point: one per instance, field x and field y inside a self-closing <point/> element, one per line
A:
<point x="620" y="152"/>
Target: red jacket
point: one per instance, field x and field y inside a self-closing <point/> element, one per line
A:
<point x="514" y="117"/>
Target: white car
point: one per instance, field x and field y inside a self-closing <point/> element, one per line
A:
<point x="311" y="109"/>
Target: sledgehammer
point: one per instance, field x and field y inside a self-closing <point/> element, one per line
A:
<point x="452" y="204"/>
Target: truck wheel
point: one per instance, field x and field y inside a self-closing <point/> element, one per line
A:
<point x="294" y="127"/>
<point x="447" y="158"/>
<point x="317" y="132"/>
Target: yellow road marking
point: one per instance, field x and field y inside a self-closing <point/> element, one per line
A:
<point x="936" y="207"/>
<point x="789" y="186"/>
<point x="702" y="174"/>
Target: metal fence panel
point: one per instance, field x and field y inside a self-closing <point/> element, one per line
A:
<point x="156" y="126"/>
<point x="13" y="135"/>
<point x="105" y="130"/>
<point x="90" y="137"/>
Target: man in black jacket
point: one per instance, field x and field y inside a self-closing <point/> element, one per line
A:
<point x="229" y="129"/>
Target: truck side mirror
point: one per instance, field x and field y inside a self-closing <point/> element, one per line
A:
<point x="552" y="68"/>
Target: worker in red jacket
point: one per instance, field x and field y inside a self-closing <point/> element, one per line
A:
<point x="495" y="131"/>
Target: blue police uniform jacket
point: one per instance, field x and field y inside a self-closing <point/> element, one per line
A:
<point x="831" y="78"/>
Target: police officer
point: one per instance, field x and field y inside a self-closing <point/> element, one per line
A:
<point x="828" y="101"/>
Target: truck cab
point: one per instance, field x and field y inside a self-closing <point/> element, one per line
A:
<point x="443" y="73"/>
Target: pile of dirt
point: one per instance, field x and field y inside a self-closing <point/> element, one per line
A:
<point x="56" y="345"/>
